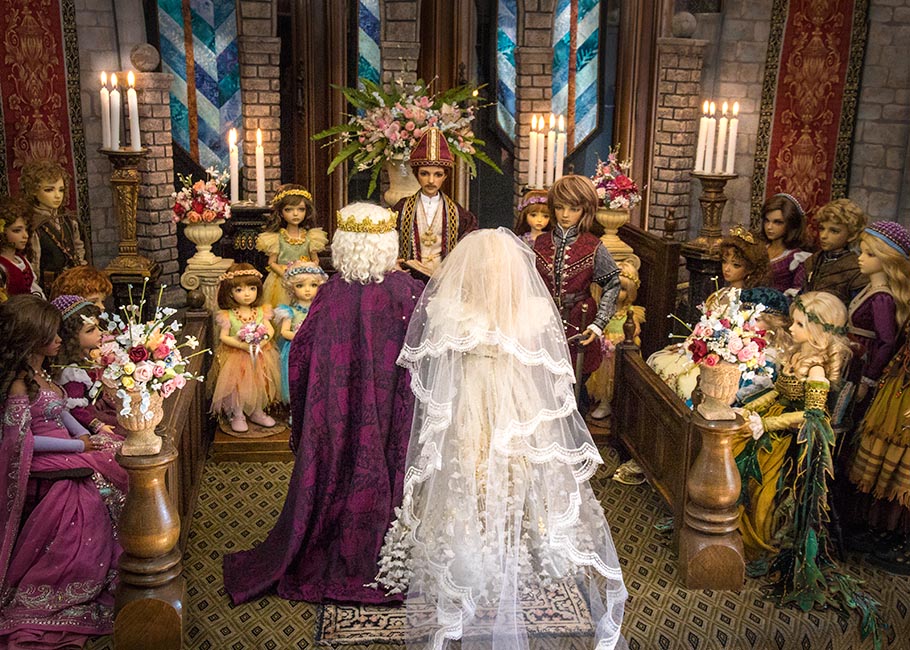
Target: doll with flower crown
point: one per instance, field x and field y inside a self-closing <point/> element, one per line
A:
<point x="533" y="217"/>
<point x="289" y="235"/>
<point x="783" y="228"/>
<point x="785" y="460"/>
<point x="600" y="384"/>
<point x="301" y="281"/>
<point x="249" y="379"/>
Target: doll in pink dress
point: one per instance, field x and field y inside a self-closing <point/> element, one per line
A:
<point x="783" y="229"/>
<point x="249" y="378"/>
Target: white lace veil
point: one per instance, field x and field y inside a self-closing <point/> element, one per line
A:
<point x="497" y="506"/>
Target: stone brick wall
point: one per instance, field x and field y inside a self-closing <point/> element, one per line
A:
<point x="155" y="228"/>
<point x="679" y="63"/>
<point x="880" y="173"/>
<point x="399" y="40"/>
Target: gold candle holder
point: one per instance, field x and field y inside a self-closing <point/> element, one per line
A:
<point x="712" y="200"/>
<point x="125" y="178"/>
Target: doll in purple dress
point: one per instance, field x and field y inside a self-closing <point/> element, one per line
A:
<point x="878" y="312"/>
<point x="67" y="544"/>
<point x="783" y="229"/>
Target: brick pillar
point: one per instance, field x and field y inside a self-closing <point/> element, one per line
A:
<point x="533" y="92"/>
<point x="679" y="64"/>
<point x="259" y="60"/>
<point x="400" y="47"/>
<point x="156" y="231"/>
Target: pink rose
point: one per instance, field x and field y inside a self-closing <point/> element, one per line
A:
<point x="749" y="351"/>
<point x="158" y="370"/>
<point x="161" y="351"/>
<point x="167" y="388"/>
<point x="179" y="381"/>
<point x="143" y="372"/>
<point x="711" y="360"/>
<point x="735" y="344"/>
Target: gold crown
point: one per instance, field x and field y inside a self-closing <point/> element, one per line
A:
<point x="233" y="274"/>
<point x="366" y="226"/>
<point x="742" y="233"/>
<point x="291" y="192"/>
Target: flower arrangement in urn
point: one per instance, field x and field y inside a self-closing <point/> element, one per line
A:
<point x="614" y="187"/>
<point x="202" y="201"/>
<point x="141" y="359"/>
<point x="390" y="119"/>
<point x="729" y="331"/>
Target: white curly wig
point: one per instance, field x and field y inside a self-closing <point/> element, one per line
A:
<point x="364" y="257"/>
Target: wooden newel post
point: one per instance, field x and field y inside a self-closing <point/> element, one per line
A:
<point x="148" y="610"/>
<point x="710" y="544"/>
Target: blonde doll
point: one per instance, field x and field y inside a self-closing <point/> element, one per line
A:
<point x="301" y="281"/>
<point x="249" y="379"/>
<point x="879" y="310"/>
<point x="600" y="384"/>
<point x="14" y="238"/>
<point x="787" y="461"/>
<point x="289" y="235"/>
<point x="533" y="216"/>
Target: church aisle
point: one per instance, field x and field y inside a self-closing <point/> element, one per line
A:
<point x="240" y="501"/>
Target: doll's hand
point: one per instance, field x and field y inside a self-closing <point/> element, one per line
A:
<point x="105" y="428"/>
<point x="589" y="337"/>
<point x="87" y="441"/>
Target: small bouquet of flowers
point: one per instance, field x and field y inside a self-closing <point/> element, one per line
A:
<point x="143" y="357"/>
<point x="202" y="201"/>
<point x="729" y="331"/>
<point x="254" y="335"/>
<point x="614" y="187"/>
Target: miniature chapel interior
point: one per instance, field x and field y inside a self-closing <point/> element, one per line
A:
<point x="178" y="147"/>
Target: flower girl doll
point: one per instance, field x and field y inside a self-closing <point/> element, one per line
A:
<point x="600" y="384"/>
<point x="785" y="461"/>
<point x="249" y="379"/>
<point x="879" y="310"/>
<point x="287" y="237"/>
<point x="80" y="335"/>
<point x="533" y="216"/>
<point x="783" y="228"/>
<point x="14" y="236"/>
<point x="301" y="280"/>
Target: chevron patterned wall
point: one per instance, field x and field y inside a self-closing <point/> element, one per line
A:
<point x="575" y="91"/>
<point x="369" y="59"/>
<point x="199" y="47"/>
<point x="505" y="67"/>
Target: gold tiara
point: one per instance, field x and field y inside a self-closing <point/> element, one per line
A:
<point x="629" y="276"/>
<point x="742" y="233"/>
<point x="291" y="192"/>
<point x="366" y="226"/>
<point x="235" y="274"/>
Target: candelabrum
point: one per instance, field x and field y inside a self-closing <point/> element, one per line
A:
<point x="712" y="200"/>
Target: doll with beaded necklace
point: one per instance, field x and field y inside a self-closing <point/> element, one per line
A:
<point x="301" y="281"/>
<point x="80" y="335"/>
<point x="249" y="380"/>
<point x="879" y="310"/>
<point x="533" y="217"/>
<point x="289" y="235"/>
<point x="15" y="232"/>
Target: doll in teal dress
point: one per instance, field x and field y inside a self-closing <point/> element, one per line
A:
<point x="289" y="236"/>
<point x="301" y="281"/>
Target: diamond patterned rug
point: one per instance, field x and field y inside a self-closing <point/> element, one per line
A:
<point x="240" y="501"/>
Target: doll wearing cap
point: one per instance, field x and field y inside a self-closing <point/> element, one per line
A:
<point x="835" y="267"/>
<point x="430" y="223"/>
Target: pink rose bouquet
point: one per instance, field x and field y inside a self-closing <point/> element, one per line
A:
<point x="202" y="201"/>
<point x="614" y="187"/>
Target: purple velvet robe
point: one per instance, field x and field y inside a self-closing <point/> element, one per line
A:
<point x="351" y="410"/>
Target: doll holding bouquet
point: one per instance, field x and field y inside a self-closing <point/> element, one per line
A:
<point x="301" y="281"/>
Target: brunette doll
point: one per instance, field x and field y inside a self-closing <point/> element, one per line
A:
<point x="744" y="260"/>
<point x="533" y="216"/>
<point x="782" y="231"/>
<point x="56" y="242"/>
<point x="290" y="234"/>
<point x="14" y="237"/>
<point x="249" y="380"/>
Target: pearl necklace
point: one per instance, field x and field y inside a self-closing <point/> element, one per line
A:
<point x="41" y="372"/>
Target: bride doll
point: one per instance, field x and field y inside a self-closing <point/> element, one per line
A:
<point x="496" y="484"/>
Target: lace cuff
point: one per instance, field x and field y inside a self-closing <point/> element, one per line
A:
<point x="816" y="395"/>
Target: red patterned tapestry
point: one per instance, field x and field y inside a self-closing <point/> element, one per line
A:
<point x="809" y="101"/>
<point x="39" y="95"/>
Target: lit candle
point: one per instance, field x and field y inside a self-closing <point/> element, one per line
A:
<point x="540" y="152"/>
<point x="532" y="157"/>
<point x="260" y="169"/>
<point x="721" y="140"/>
<point x="702" y="134"/>
<point x="709" y="143"/>
<point x="234" y="165"/>
<point x="115" y="114"/>
<point x="551" y="150"/>
<point x="133" y="103"/>
<point x="560" y="147"/>
<point x="731" y="147"/>
<point x="105" y="113"/>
